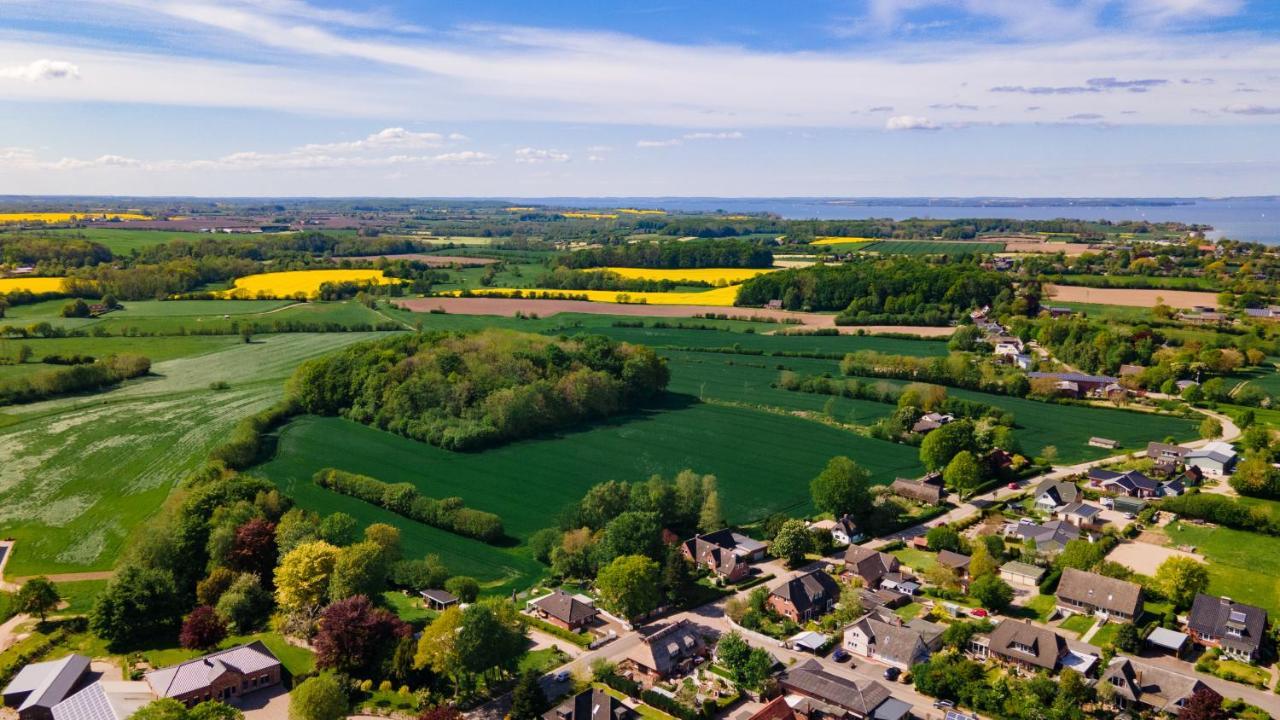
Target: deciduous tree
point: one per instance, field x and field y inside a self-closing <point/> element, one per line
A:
<point x="202" y="629"/>
<point x="843" y="487"/>
<point x="629" y="586"/>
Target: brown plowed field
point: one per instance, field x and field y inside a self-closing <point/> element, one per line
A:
<point x="1131" y="297"/>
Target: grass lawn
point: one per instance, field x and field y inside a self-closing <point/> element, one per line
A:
<point x="910" y="611"/>
<point x="1251" y="674"/>
<point x="389" y="700"/>
<point x="555" y="471"/>
<point x="1106" y="635"/>
<point x="1078" y="624"/>
<point x="78" y="474"/>
<point x="918" y="560"/>
<point x="80" y="596"/>
<point x="1042" y="606"/>
<point x="1243" y="566"/>
<point x="409" y="609"/>
<point x="542" y="661"/>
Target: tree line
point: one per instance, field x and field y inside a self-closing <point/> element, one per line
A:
<point x="76" y="378"/>
<point x="404" y="499"/>
<point x="702" y="254"/>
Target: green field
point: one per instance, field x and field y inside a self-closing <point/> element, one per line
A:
<point x="124" y="241"/>
<point x="78" y="474"/>
<point x="175" y="317"/>
<point x="931" y="247"/>
<point x="1243" y="566"/>
<point x="1119" y="313"/>
<point x="785" y="454"/>
<point x="666" y="337"/>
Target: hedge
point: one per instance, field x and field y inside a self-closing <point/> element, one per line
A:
<point x="404" y="499"/>
<point x="582" y="640"/>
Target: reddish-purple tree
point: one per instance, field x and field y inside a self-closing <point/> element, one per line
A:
<point x="254" y="548"/>
<point x="202" y="629"/>
<point x="441" y="712"/>
<point x="355" y="636"/>
<point x="1204" y="704"/>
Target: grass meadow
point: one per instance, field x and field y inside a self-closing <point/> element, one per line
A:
<point x="930" y="247"/>
<point x="78" y="474"/>
<point x="1242" y="565"/>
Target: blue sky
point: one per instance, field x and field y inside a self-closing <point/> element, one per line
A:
<point x="849" y="98"/>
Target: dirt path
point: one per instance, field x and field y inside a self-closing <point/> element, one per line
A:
<point x="72" y="577"/>
<point x="8" y="631"/>
<point x="546" y="308"/>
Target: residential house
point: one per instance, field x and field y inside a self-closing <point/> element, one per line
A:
<point x="1217" y="459"/>
<point x="931" y="421"/>
<point x="592" y="704"/>
<point x="1167" y="457"/>
<point x="1140" y="684"/>
<point x="1053" y="494"/>
<point x="664" y="650"/>
<point x="1080" y="383"/>
<point x="39" y="687"/>
<point x="725" y="553"/>
<point x="893" y="643"/>
<point x="570" y="612"/>
<point x="900" y="582"/>
<point x="868" y="564"/>
<point x="1021" y="575"/>
<point x="1131" y="483"/>
<point x="845" y="531"/>
<point x="920" y="491"/>
<point x="778" y="708"/>
<point x="1094" y="594"/>
<point x="820" y="694"/>
<point x="105" y="700"/>
<point x="805" y="597"/>
<point x="1050" y="537"/>
<point x="1083" y="515"/>
<point x="438" y="599"/>
<point x="1237" y="629"/>
<point x="218" y="676"/>
<point x="1021" y="644"/>
<point x="958" y="564"/>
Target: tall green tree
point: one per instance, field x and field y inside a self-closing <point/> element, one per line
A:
<point x="318" y="698"/>
<point x="962" y="474"/>
<point x="843" y="487"/>
<point x="528" y="701"/>
<point x="941" y="445"/>
<point x="630" y="585"/>
<point x="792" y="542"/>
<point x="37" y="597"/>
<point x="1180" y="579"/>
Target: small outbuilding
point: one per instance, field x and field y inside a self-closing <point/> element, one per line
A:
<point x="439" y="599"/>
<point x="1169" y="641"/>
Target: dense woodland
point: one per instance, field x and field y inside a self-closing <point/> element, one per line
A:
<point x="897" y="290"/>
<point x="468" y="392"/>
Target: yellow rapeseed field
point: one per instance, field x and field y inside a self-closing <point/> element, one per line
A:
<point x="289" y="284"/>
<point x="715" y="276"/>
<point x="841" y="240"/>
<point x="636" y="211"/>
<point x="591" y="215"/>
<point x="31" y="284"/>
<point x="722" y="297"/>
<point x="65" y="217"/>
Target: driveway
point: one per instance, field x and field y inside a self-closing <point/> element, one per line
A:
<point x="269" y="704"/>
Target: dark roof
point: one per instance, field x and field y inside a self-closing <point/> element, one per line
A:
<point x="1212" y="616"/>
<point x="46" y="684"/>
<point x="1051" y="536"/>
<point x="953" y="560"/>
<point x="870" y="565"/>
<point x="1020" y="640"/>
<point x="903" y="644"/>
<point x="592" y="704"/>
<point x="1063" y="491"/>
<point x="917" y="490"/>
<point x="198" y="674"/>
<point x="1152" y="685"/>
<point x="663" y="646"/>
<point x="1100" y="591"/>
<point x="1128" y="481"/>
<point x="1074" y="377"/>
<point x="1157" y="449"/>
<point x="812" y="680"/>
<point x="440" y="596"/>
<point x="563" y="606"/>
<point x="809" y="590"/>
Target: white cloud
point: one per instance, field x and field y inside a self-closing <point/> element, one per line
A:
<point x="100" y="161"/>
<point x="658" y="143"/>
<point x="1240" y="109"/>
<point x="1163" y="11"/>
<point x="691" y="137"/>
<point x="909" y="122"/>
<point x="531" y="155"/>
<point x="43" y="69"/>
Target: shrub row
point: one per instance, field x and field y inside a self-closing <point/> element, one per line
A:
<point x="73" y="379"/>
<point x="404" y="499"/>
<point x="248" y="443"/>
<point x="1224" y="511"/>
<point x="582" y="640"/>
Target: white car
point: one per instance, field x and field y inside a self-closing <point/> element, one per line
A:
<point x="562" y="676"/>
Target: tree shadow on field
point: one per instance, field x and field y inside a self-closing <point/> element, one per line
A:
<point x="665" y="403"/>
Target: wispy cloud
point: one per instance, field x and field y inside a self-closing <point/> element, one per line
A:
<point x="38" y="70"/>
<point x="909" y="122"/>
<point x="1240" y="109"/>
<point x="690" y="137"/>
<point x="1092" y="85"/>
<point x="531" y="155"/>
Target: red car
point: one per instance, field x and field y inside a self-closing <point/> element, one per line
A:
<point x="978" y="612"/>
<point x="1013" y="486"/>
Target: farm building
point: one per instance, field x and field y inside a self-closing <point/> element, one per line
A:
<point x="105" y="700"/>
<point x="38" y="687"/>
<point x="926" y="493"/>
<point x="1106" y="443"/>
<point x="1217" y="459"/>
<point x="931" y="421"/>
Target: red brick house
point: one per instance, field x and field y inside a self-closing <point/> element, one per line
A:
<point x="221" y="675"/>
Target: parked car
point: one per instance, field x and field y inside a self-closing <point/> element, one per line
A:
<point x="1013" y="486"/>
<point x="1026" y="521"/>
<point x="1106" y="502"/>
<point x="562" y="676"/>
<point x="943" y="704"/>
<point x="978" y="612"/>
<point x="1129" y="516"/>
<point x="840" y="655"/>
<point x="891" y="674"/>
